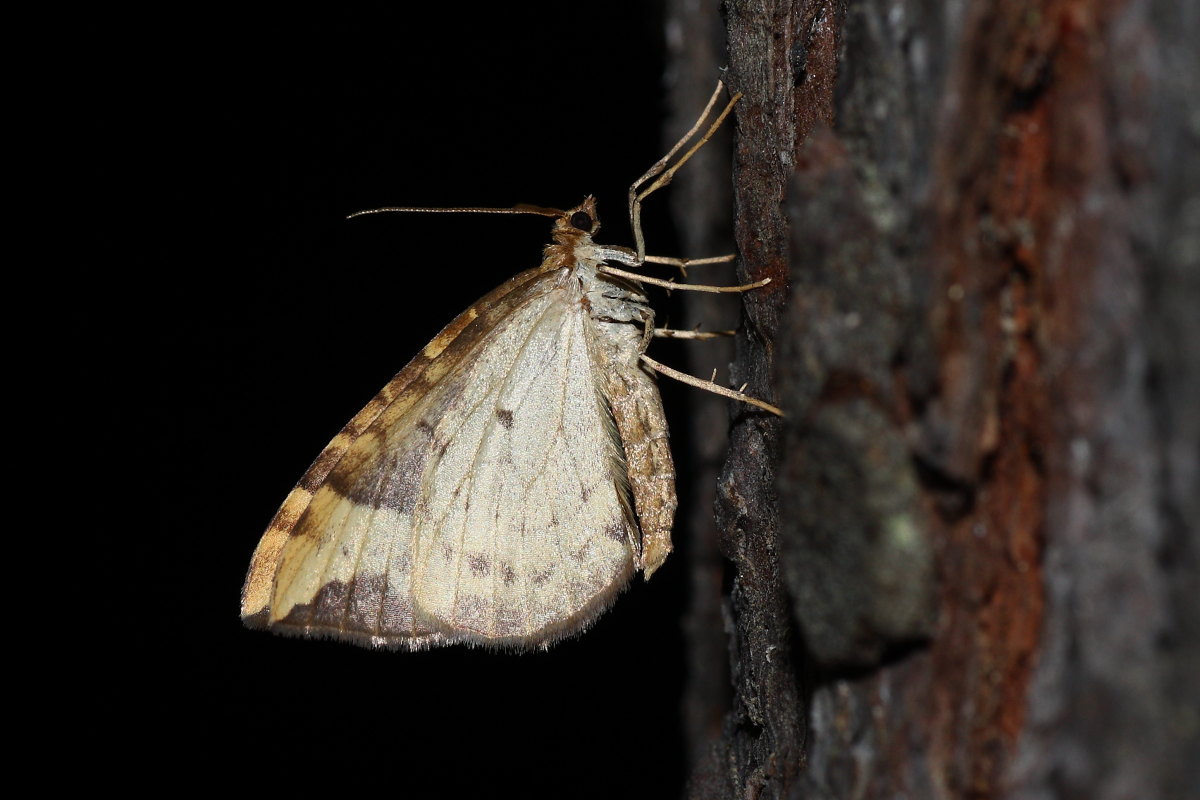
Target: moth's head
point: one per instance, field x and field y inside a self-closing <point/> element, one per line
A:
<point x="581" y="219"/>
<point x="572" y="234"/>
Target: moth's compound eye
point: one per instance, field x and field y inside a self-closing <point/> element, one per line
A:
<point x="581" y="220"/>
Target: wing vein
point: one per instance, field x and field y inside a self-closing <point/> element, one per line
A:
<point x="560" y="541"/>
<point x="468" y="479"/>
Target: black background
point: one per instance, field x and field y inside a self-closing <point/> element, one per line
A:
<point x="228" y="147"/>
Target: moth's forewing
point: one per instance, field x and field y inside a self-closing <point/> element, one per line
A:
<point x="528" y="537"/>
<point x="480" y="497"/>
<point x="404" y="390"/>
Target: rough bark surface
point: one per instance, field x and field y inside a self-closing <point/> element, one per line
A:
<point x="966" y="565"/>
<point x="701" y="200"/>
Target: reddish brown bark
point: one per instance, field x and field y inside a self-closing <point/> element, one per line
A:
<point x="978" y="517"/>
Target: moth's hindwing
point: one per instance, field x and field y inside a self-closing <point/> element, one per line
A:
<point x="480" y="497"/>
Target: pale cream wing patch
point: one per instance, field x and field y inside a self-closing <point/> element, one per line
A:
<point x="490" y="510"/>
<point x="543" y="539"/>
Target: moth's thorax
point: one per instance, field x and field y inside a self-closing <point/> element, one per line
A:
<point x="573" y="245"/>
<point x="606" y="298"/>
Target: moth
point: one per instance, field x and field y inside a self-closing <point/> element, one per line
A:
<point x="508" y="482"/>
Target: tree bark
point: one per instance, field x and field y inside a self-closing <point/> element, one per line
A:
<point x="966" y="563"/>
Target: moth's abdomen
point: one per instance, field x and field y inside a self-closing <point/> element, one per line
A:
<point x="619" y="324"/>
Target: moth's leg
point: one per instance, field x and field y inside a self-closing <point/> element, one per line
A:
<point x="616" y="303"/>
<point x="684" y="263"/>
<point x="661" y="164"/>
<point x="623" y="255"/>
<point x="690" y="287"/>
<point x="621" y="305"/>
<point x="672" y="333"/>
<point x="710" y="386"/>
<point x="647" y="320"/>
<point x="649" y="332"/>
<point x="636" y="198"/>
<point x="683" y="377"/>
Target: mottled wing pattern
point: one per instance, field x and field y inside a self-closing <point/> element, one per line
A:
<point x="479" y="498"/>
<point x="397" y="397"/>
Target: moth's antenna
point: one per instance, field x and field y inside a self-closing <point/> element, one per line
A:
<point x="521" y="208"/>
